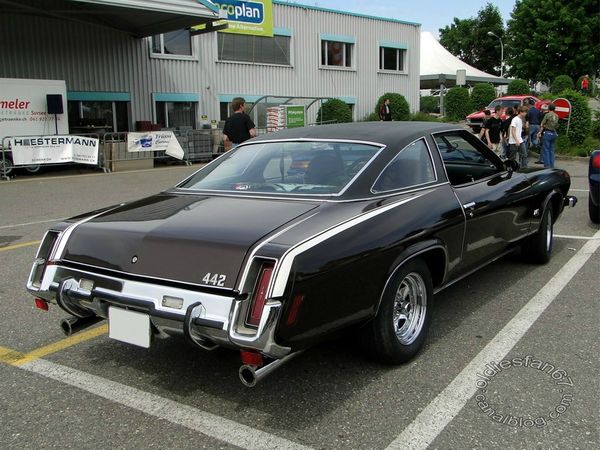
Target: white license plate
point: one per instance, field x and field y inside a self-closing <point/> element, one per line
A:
<point x="129" y="326"/>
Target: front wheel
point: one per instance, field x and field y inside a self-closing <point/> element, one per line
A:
<point x="538" y="248"/>
<point x="399" y="329"/>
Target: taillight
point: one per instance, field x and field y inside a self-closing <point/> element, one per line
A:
<point x="41" y="304"/>
<point x="42" y="257"/>
<point x="596" y="161"/>
<point x="259" y="295"/>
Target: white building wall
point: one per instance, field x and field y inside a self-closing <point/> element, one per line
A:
<point x="96" y="59"/>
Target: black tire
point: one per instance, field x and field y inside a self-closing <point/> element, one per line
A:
<point x="33" y="169"/>
<point x="538" y="248"/>
<point x="594" y="210"/>
<point x="399" y="329"/>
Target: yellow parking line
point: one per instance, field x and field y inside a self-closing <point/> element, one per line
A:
<point x="24" y="244"/>
<point x="9" y="356"/>
<point x="17" y="359"/>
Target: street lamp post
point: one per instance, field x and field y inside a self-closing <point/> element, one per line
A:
<point x="501" y="52"/>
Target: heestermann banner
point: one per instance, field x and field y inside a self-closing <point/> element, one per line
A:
<point x="36" y="150"/>
<point x="252" y="17"/>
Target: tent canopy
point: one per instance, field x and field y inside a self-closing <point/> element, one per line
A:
<point x="140" y="18"/>
<point x="436" y="61"/>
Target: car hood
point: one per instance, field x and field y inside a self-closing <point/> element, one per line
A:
<point x="180" y="237"/>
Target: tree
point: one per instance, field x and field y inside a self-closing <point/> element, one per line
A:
<point x="561" y="83"/>
<point x="468" y="39"/>
<point x="481" y="95"/>
<point x="518" y="87"/>
<point x="334" y="110"/>
<point x="548" y="38"/>
<point x="458" y="105"/>
<point x="581" y="117"/>
<point x="398" y="106"/>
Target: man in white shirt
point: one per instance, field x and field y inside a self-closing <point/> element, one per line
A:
<point x="515" y="138"/>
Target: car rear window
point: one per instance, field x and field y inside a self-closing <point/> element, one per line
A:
<point x="295" y="168"/>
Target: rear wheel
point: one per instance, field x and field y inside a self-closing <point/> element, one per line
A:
<point x="399" y="329"/>
<point x="538" y="247"/>
<point x="594" y="210"/>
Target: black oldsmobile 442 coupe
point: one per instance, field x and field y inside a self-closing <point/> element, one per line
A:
<point x="298" y="234"/>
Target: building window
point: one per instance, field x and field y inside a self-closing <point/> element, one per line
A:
<point x="176" y="114"/>
<point x="111" y="115"/>
<point x="254" y="49"/>
<point x="335" y="53"/>
<point x="391" y="59"/>
<point x="173" y="43"/>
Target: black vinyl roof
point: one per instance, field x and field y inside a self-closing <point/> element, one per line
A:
<point x="388" y="133"/>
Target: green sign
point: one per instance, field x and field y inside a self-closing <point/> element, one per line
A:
<point x="251" y="17"/>
<point x="294" y="116"/>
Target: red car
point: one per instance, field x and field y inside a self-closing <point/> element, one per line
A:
<point x="475" y="120"/>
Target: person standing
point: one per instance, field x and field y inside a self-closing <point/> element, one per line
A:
<point x="493" y="132"/>
<point x="533" y="118"/>
<point x="385" y="113"/>
<point x="515" y="139"/>
<point x="505" y="130"/>
<point x="549" y="135"/>
<point x="487" y="115"/>
<point x="585" y="84"/>
<point x="239" y="126"/>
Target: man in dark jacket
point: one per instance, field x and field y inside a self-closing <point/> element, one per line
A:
<point x="239" y="126"/>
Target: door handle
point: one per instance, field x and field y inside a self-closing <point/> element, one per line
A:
<point x="470" y="206"/>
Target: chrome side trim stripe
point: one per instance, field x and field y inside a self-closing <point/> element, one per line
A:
<point x="284" y="266"/>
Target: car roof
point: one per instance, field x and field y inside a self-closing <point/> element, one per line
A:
<point x="390" y="134"/>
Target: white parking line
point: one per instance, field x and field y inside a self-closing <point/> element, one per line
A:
<point x="436" y="415"/>
<point x="206" y="423"/>
<point x="567" y="236"/>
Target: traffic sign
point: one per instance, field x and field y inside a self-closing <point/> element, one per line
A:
<point x="563" y="108"/>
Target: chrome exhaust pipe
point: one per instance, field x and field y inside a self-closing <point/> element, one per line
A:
<point x="72" y="325"/>
<point x="251" y="375"/>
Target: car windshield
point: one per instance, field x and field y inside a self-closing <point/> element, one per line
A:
<point x="296" y="168"/>
<point x="504" y="103"/>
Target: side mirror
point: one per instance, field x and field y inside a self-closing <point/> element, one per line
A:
<point x="511" y="165"/>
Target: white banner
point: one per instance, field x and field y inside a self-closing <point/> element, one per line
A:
<point x="155" y="141"/>
<point x="35" y="150"/>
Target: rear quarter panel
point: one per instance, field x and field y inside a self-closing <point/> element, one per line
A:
<point x="342" y="278"/>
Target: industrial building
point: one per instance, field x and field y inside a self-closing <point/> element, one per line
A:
<point x="132" y="61"/>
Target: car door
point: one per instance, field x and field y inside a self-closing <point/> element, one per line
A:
<point x="495" y="201"/>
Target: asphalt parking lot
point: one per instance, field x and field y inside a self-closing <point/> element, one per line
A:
<point x="511" y="360"/>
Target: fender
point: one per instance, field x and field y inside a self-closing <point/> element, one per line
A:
<point x="417" y="249"/>
<point x="557" y="209"/>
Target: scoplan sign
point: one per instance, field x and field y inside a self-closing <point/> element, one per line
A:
<point x="36" y="150"/>
<point x="251" y="17"/>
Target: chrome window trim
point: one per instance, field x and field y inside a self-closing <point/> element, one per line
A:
<point x="423" y="138"/>
<point x="444" y="164"/>
<point x="272" y="141"/>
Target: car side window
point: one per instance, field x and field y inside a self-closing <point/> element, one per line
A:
<point x="411" y="167"/>
<point x="464" y="162"/>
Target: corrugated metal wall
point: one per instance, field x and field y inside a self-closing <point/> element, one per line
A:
<point x="95" y="59"/>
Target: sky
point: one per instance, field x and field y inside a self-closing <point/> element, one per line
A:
<point x="431" y="14"/>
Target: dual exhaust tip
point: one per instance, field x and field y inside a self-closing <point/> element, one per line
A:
<point x="249" y="375"/>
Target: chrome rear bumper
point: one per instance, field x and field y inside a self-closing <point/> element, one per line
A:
<point x="207" y="320"/>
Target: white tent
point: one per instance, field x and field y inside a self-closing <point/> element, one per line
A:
<point x="436" y="61"/>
